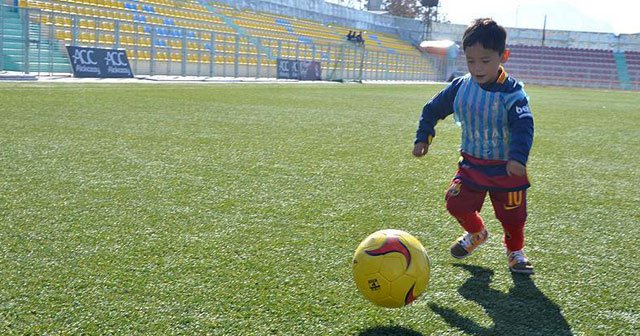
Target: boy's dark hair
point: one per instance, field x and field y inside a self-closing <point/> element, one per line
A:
<point x="488" y="33"/>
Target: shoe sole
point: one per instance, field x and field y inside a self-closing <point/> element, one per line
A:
<point x="460" y="257"/>
<point x="468" y="253"/>
<point x="525" y="271"/>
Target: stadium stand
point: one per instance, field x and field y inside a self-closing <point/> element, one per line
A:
<point x="213" y="33"/>
<point x="247" y="38"/>
<point x="560" y="66"/>
<point x="633" y="68"/>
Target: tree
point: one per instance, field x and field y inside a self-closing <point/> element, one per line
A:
<point x="404" y="8"/>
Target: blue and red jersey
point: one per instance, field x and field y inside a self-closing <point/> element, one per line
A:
<point x="497" y="126"/>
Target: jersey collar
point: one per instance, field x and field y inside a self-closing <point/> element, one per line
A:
<point x="502" y="78"/>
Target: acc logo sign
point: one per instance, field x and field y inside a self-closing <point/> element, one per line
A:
<point x="283" y="66"/>
<point x="115" y="58"/>
<point x="288" y="65"/>
<point x="84" y="57"/>
<point x="99" y="62"/>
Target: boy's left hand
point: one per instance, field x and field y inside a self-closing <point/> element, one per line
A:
<point x="516" y="168"/>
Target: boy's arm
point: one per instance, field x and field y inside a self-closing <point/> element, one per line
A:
<point x="521" y="129"/>
<point x="439" y="107"/>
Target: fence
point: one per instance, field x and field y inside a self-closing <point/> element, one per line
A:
<point x="33" y="41"/>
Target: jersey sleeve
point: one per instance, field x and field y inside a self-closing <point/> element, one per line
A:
<point x="520" y="126"/>
<point x="438" y="108"/>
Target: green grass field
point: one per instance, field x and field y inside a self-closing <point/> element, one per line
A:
<point x="235" y="210"/>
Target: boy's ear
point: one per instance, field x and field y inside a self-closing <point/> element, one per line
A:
<point x="505" y="56"/>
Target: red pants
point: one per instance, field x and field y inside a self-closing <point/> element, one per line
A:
<point x="464" y="203"/>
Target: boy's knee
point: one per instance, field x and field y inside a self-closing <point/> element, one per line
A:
<point x="451" y="197"/>
<point x="459" y="201"/>
<point x="455" y="208"/>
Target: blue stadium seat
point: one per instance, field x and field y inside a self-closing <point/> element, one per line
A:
<point x="305" y="39"/>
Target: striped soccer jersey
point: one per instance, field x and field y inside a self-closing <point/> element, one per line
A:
<point x="496" y="120"/>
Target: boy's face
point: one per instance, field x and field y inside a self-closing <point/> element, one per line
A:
<point x="483" y="64"/>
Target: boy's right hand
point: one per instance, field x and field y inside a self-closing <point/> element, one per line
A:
<point x="420" y="149"/>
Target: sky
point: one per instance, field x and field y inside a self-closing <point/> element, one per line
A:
<point x="607" y="16"/>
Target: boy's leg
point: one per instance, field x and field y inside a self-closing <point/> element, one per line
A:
<point x="511" y="210"/>
<point x="464" y="204"/>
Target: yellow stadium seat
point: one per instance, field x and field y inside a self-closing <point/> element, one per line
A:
<point x="64" y="35"/>
<point x="45" y="20"/>
<point x="107" y="38"/>
<point x="87" y="24"/>
<point x="107" y="25"/>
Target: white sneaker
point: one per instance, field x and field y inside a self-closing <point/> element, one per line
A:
<point x="468" y="242"/>
<point x="518" y="262"/>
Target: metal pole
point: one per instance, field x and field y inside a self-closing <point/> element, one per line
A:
<point x="212" y="55"/>
<point x="152" y="59"/>
<point x="378" y="69"/>
<point x="342" y="63"/>
<point x="2" y="14"/>
<point x="96" y="33"/>
<point x="258" y="56"/>
<point x="236" y="60"/>
<point x="38" y="40"/>
<point x="74" y="31"/>
<point x="50" y="38"/>
<point x="387" y="75"/>
<point x="25" y="35"/>
<point x="224" y="57"/>
<point x="116" y="34"/>
<point x="183" y="68"/>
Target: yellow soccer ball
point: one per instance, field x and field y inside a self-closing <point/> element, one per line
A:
<point x="391" y="268"/>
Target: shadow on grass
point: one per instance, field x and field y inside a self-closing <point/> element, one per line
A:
<point x="524" y="310"/>
<point x="389" y="331"/>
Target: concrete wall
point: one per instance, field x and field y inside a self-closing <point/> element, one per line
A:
<point x="412" y="30"/>
<point x="321" y="11"/>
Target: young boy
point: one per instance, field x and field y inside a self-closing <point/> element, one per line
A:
<point x="497" y="134"/>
